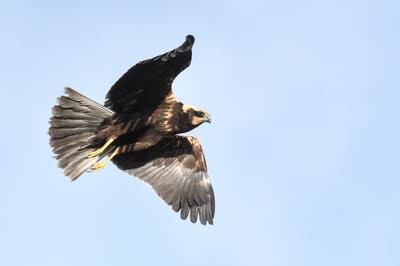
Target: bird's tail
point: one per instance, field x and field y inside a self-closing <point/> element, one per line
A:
<point x="73" y="129"/>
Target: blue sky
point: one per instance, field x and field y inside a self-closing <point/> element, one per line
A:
<point x="303" y="150"/>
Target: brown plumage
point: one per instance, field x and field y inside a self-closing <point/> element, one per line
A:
<point x="137" y="130"/>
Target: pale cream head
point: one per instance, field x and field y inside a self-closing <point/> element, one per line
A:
<point x="196" y="115"/>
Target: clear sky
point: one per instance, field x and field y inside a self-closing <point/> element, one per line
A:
<point x="303" y="150"/>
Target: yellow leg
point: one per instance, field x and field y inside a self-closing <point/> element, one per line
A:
<point x="100" y="165"/>
<point x="102" y="149"/>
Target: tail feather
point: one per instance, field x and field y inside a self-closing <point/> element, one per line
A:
<point x="73" y="128"/>
<point x="61" y="142"/>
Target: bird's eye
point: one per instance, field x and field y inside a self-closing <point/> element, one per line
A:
<point x="200" y="113"/>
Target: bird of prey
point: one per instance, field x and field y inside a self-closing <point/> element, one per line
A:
<point x="137" y="129"/>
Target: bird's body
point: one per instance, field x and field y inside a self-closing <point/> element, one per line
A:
<point x="137" y="129"/>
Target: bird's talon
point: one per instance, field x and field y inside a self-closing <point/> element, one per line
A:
<point x="94" y="153"/>
<point x="98" y="166"/>
<point x="101" y="150"/>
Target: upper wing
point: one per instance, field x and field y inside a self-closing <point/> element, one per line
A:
<point x="147" y="83"/>
<point x="176" y="169"/>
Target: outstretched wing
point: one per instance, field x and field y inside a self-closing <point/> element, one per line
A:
<point x="147" y="83"/>
<point x="176" y="169"/>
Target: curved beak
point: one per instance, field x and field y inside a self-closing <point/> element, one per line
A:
<point x="207" y="118"/>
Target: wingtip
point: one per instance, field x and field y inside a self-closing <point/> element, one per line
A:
<point x="190" y="39"/>
<point x="188" y="44"/>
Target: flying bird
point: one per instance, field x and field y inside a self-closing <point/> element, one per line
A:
<point x="138" y="129"/>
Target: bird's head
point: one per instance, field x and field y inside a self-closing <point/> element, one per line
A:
<point x="195" y="115"/>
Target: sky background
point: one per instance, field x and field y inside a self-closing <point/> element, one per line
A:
<point x="303" y="150"/>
